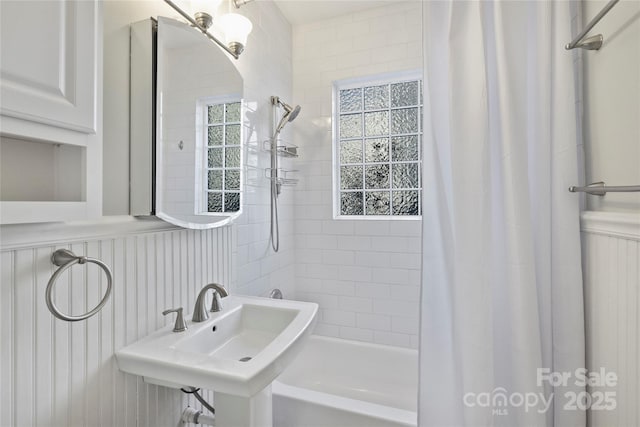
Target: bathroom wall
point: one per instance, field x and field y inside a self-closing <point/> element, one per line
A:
<point x="65" y="374"/>
<point x="612" y="106"/>
<point x="58" y="373"/>
<point x="611" y="265"/>
<point x="611" y="225"/>
<point x="365" y="274"/>
<point x="265" y="66"/>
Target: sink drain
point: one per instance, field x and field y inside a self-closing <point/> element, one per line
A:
<point x="245" y="359"/>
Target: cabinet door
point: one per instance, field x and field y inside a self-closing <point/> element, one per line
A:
<point x="48" y="62"/>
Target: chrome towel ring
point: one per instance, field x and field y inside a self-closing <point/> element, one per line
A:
<point x="64" y="258"/>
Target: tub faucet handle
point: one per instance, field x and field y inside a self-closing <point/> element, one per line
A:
<point x="180" y="325"/>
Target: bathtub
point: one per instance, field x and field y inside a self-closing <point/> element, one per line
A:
<point x="341" y="383"/>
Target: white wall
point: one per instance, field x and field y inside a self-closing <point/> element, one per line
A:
<point x="611" y="263"/>
<point x="364" y="274"/>
<point x="65" y="374"/>
<point x="611" y="227"/>
<point x="57" y="373"/>
<point x="265" y="66"/>
<point x="612" y="104"/>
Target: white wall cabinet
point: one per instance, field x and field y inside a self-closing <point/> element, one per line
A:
<point x="50" y="110"/>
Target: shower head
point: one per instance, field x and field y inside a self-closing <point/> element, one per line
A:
<point x="294" y="113"/>
<point x="290" y="112"/>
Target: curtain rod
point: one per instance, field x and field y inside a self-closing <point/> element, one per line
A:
<point x="593" y="42"/>
<point x="600" y="189"/>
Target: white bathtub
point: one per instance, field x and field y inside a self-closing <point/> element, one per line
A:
<point x="341" y="383"/>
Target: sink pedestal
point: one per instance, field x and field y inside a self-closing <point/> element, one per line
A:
<point x="237" y="411"/>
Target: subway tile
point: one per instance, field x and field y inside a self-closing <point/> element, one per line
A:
<point x="320" y="241"/>
<point x="373" y="290"/>
<point x="339" y="287"/>
<point x="337" y="257"/>
<point x="353" y="59"/>
<point x="355" y="273"/>
<point x="356" y="334"/>
<point x="354" y="242"/>
<point x="409" y="228"/>
<point x="374" y="259"/>
<point x="373" y="321"/>
<point x="390" y="338"/>
<point x="324" y="301"/>
<point x="405" y="260"/>
<point x="339" y="317"/>
<point x="309" y="256"/>
<point x="343" y="227"/>
<point x="415" y="277"/>
<point x="405" y="325"/>
<point x="396" y="308"/>
<point x="268" y="265"/>
<point x="353" y="29"/>
<point x="319" y="271"/>
<point x="372" y="228"/>
<point x="405" y="293"/>
<point x="307" y="284"/>
<point x="326" y="330"/>
<point x="391" y="275"/>
<point x="249" y="272"/>
<point x="396" y="244"/>
<point x="357" y="304"/>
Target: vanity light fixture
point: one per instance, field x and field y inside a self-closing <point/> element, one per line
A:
<point x="238" y="3"/>
<point x="204" y="10"/>
<point x="234" y="27"/>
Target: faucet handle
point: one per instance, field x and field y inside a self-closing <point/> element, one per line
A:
<point x="180" y="325"/>
<point x="216" y="302"/>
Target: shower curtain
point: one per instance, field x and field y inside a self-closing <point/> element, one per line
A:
<point x="502" y="305"/>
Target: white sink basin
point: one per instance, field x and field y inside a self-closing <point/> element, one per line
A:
<point x="238" y="351"/>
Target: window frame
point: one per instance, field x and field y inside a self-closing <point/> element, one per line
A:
<point x="361" y="82"/>
<point x="202" y="151"/>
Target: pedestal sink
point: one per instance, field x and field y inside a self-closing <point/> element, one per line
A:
<point x="237" y="353"/>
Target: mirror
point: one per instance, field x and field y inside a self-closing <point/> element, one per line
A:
<point x="198" y="130"/>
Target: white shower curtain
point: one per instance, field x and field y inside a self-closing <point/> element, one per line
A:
<point x="502" y="282"/>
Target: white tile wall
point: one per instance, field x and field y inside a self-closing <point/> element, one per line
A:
<point x="266" y="68"/>
<point x="364" y="274"/>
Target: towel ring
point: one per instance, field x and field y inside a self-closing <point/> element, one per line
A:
<point x="64" y="258"/>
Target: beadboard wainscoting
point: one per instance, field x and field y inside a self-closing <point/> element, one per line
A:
<point x="611" y="266"/>
<point x="58" y="373"/>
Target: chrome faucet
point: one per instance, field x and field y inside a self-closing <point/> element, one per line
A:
<point x="199" y="311"/>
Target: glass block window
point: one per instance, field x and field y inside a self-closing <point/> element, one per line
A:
<point x="223" y="157"/>
<point x="377" y="141"/>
